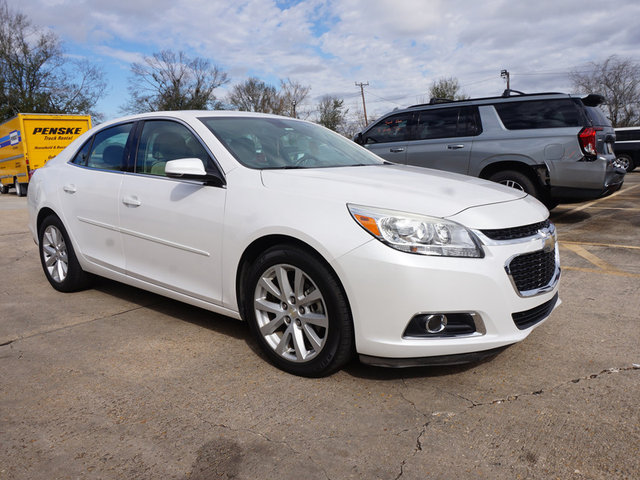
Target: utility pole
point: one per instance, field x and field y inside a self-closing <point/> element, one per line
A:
<point x="294" y="109"/>
<point x="505" y="74"/>
<point x="364" y="106"/>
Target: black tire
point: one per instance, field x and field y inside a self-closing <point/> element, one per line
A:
<point x="517" y="180"/>
<point x="58" y="258"/>
<point x="298" y="312"/>
<point x="21" y="189"/>
<point x="626" y="162"/>
<point x="4" y="189"/>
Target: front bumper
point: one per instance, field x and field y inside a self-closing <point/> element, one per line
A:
<point x="387" y="288"/>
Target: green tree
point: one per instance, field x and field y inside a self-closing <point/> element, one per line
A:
<point x="173" y="81"/>
<point x="447" y="88"/>
<point x="618" y="80"/>
<point x="332" y="113"/>
<point x="36" y="77"/>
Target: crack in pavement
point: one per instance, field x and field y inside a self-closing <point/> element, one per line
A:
<point x="509" y="398"/>
<point x="56" y="328"/>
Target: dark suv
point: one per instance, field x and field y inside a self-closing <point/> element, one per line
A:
<point x="627" y="147"/>
<point x="554" y="146"/>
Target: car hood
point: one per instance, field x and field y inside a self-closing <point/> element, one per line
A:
<point x="404" y="188"/>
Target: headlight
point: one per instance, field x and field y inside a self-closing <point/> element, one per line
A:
<point x="416" y="233"/>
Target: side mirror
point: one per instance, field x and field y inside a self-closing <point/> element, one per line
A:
<point x="191" y="169"/>
<point x="358" y="139"/>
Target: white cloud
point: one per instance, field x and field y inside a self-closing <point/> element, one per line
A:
<point x="398" y="46"/>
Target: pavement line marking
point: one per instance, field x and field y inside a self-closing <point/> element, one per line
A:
<point x="594" y="244"/>
<point x="590" y="204"/>
<point x="598" y="262"/>
<point x="605" y="272"/>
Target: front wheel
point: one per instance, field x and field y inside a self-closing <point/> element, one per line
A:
<point x="21" y="189"/>
<point x="58" y="258"/>
<point x="625" y="161"/>
<point x="298" y="312"/>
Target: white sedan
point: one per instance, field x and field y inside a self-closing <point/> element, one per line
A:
<point x="326" y="250"/>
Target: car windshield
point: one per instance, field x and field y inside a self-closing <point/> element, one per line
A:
<point x="279" y="143"/>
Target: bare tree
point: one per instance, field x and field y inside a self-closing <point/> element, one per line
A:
<point x="446" y="87"/>
<point x="36" y="77"/>
<point x="332" y="113"/>
<point x="292" y="94"/>
<point x="618" y="79"/>
<point x="173" y="81"/>
<point x="254" y="95"/>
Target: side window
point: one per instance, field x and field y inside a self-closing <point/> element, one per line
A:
<point x="539" y="114"/>
<point x="105" y="150"/>
<point x="395" y="128"/>
<point x="164" y="140"/>
<point x="439" y="123"/>
<point x="82" y="157"/>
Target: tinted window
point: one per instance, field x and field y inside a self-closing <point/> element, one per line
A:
<point x="597" y="117"/>
<point x="163" y="140"/>
<point x="540" y="114"/>
<point x="106" y="149"/>
<point x="628" y="135"/>
<point x="447" y="122"/>
<point x="395" y="128"/>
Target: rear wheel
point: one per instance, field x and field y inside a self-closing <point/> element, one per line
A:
<point x="517" y="180"/>
<point x="298" y="312"/>
<point x="4" y="189"/>
<point x="21" y="189"/>
<point x="58" y="258"/>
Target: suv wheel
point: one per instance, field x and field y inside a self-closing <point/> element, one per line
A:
<point x="517" y="180"/>
<point x="625" y="161"/>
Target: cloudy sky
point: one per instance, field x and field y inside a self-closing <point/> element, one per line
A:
<point x="399" y="47"/>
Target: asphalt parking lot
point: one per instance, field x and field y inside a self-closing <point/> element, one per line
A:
<point x="114" y="382"/>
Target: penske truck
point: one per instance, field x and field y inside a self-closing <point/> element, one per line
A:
<point x="29" y="140"/>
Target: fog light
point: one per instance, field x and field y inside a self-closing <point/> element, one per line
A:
<point x="443" y="325"/>
<point x="435" y="323"/>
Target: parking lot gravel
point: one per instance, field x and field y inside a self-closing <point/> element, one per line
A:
<point x="115" y="382"/>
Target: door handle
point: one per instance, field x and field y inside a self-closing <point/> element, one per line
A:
<point x="396" y="149"/>
<point x="131" y="201"/>
<point x="70" y="188"/>
<point x="455" y="147"/>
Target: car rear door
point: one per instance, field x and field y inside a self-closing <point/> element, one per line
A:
<point x="172" y="229"/>
<point x="90" y="192"/>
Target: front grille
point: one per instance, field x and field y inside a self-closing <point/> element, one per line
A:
<point x="532" y="271"/>
<point x="529" y="318"/>
<point x="514" y="233"/>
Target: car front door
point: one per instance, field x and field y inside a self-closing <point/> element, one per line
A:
<point x="172" y="229"/>
<point x="444" y="138"/>
<point x="90" y="196"/>
<point x="388" y="138"/>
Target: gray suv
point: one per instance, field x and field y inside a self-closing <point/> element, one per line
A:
<point x="554" y="146"/>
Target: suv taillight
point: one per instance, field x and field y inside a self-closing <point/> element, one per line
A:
<point x="587" y="139"/>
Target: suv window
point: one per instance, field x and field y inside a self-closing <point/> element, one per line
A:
<point x="395" y="128"/>
<point x="628" y="135"/>
<point x="539" y="114"/>
<point x="164" y="140"/>
<point x="597" y="117"/>
<point x="105" y="150"/>
<point x="447" y="122"/>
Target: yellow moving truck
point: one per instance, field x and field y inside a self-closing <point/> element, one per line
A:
<point x="29" y="140"/>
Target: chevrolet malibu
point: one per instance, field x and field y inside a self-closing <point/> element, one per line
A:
<point x="323" y="248"/>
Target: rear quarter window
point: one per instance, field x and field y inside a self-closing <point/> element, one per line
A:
<point x="540" y="114"/>
<point x="597" y="117"/>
